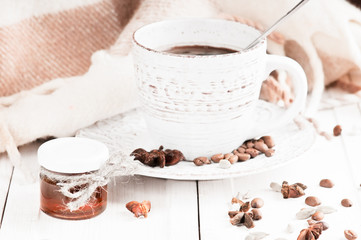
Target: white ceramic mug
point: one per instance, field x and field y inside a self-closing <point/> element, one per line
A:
<point x="204" y="105"/>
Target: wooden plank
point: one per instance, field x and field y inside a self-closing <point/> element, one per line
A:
<point x="173" y="214"/>
<point x="324" y="160"/>
<point x="6" y="170"/>
<point x="349" y="117"/>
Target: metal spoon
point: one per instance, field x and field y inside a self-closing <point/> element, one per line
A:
<point x="270" y="30"/>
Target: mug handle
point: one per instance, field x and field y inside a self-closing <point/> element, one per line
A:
<point x="299" y="82"/>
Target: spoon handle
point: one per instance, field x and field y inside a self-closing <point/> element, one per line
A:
<point x="270" y="29"/>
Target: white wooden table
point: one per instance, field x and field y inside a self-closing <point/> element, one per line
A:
<point x="198" y="209"/>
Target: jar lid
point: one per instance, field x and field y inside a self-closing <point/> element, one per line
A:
<point x="72" y="155"/>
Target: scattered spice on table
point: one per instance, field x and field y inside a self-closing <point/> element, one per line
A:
<point x="248" y="150"/>
<point x="158" y="157"/>
<point x="245" y="215"/>
<point x="139" y="209"/>
<point x="337" y="130"/>
<point x="293" y="191"/>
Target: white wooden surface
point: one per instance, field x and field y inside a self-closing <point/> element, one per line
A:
<point x="198" y="210"/>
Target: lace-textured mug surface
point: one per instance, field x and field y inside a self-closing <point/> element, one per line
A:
<point x="205" y="103"/>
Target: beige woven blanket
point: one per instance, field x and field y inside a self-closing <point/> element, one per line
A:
<point x="64" y="64"/>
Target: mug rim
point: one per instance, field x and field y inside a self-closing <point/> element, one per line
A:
<point x="260" y="43"/>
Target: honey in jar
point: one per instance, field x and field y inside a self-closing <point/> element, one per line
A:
<point x="64" y="160"/>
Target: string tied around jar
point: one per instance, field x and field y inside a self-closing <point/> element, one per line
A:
<point x="80" y="188"/>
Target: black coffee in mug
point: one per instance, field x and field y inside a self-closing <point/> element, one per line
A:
<point x="199" y="50"/>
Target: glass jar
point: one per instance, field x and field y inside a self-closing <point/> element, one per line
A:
<point x="64" y="160"/>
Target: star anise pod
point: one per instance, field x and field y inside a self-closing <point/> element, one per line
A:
<point x="245" y="207"/>
<point x="243" y="218"/>
<point x="140" y="154"/>
<point x="313" y="232"/>
<point x="173" y="157"/>
<point x="292" y="191"/>
<point x="158" y="157"/>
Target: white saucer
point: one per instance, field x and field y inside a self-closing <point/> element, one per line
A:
<point x="126" y="132"/>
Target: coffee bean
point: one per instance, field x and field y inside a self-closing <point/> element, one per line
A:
<point x="199" y="161"/>
<point x="269" y="152"/>
<point x="337" y="130"/>
<point x="312" y="201"/>
<point x="227" y="155"/>
<point x="256" y="214"/>
<point x="326" y="183"/>
<point x="268" y="141"/>
<point x="217" y="157"/>
<point x="346" y="202"/>
<point x="350" y="235"/>
<point x="260" y="146"/>
<point x="233" y="159"/>
<point x="317" y="216"/>
<point x="241" y="150"/>
<point x="257" y="203"/>
<point x="253" y="152"/>
<point x="243" y="156"/>
<point x="250" y="144"/>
